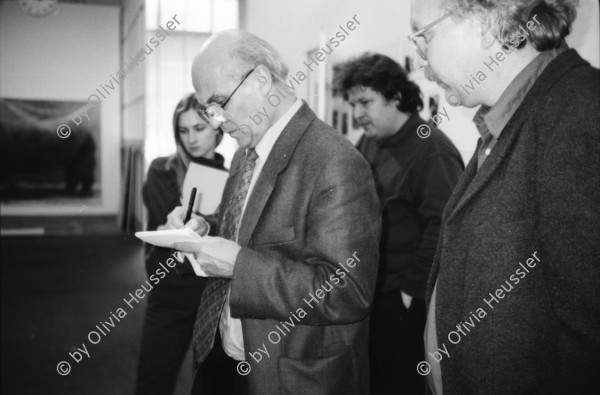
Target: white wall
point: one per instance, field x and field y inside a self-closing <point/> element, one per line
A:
<point x="66" y="57"/>
<point x="133" y="86"/>
<point x="585" y="36"/>
<point x="132" y="212"/>
<point x="292" y="27"/>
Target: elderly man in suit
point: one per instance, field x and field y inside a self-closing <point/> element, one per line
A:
<point x="513" y="296"/>
<point x="294" y="265"/>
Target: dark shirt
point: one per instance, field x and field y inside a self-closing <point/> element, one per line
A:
<point x="414" y="178"/>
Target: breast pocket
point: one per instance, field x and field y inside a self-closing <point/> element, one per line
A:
<point x="274" y="237"/>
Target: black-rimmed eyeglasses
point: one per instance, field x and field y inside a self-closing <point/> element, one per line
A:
<point x="420" y="34"/>
<point x="215" y="111"/>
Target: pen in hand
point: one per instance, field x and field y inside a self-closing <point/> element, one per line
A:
<point x="188" y="215"/>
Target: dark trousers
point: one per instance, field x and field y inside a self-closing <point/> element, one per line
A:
<point x="167" y="332"/>
<point x="218" y="375"/>
<point x="396" y="344"/>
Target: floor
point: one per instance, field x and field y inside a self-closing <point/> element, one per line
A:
<point x="55" y="290"/>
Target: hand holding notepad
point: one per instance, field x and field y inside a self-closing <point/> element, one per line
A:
<point x="167" y="239"/>
<point x="216" y="255"/>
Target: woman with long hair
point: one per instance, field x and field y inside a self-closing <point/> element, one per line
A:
<point x="173" y="301"/>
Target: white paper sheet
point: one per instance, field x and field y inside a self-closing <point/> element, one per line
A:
<point x="166" y="238"/>
<point x="209" y="183"/>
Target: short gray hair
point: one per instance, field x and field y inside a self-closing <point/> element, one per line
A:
<point x="252" y="51"/>
<point x="504" y="17"/>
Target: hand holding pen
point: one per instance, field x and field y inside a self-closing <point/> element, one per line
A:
<point x="181" y="218"/>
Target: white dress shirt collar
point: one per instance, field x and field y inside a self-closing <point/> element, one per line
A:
<point x="265" y="145"/>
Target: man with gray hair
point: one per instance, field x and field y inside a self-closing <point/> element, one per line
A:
<point x="513" y="295"/>
<point x="293" y="267"/>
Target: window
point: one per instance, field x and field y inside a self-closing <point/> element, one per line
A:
<point x="168" y="68"/>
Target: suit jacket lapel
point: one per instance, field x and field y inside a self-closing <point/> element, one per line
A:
<point x="275" y="164"/>
<point x="476" y="179"/>
<point x="471" y="181"/>
<point x="560" y="65"/>
<point x="462" y="184"/>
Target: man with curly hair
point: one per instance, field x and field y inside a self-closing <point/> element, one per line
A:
<point x="513" y="296"/>
<point x="414" y="177"/>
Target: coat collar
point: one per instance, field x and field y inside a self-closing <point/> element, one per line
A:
<point x="472" y="181"/>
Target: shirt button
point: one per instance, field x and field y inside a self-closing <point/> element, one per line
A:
<point x="487" y="151"/>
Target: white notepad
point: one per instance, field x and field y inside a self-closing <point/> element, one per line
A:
<point x="166" y="238"/>
<point x="209" y="183"/>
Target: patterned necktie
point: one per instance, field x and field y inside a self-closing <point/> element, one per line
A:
<point x="215" y="294"/>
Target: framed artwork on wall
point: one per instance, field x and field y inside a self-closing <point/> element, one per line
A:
<point x="49" y="153"/>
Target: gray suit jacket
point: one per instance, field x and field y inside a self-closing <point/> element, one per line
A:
<point x="314" y="205"/>
<point x="538" y="191"/>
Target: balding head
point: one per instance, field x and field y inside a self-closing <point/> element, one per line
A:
<point x="220" y="67"/>
<point x="236" y="52"/>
